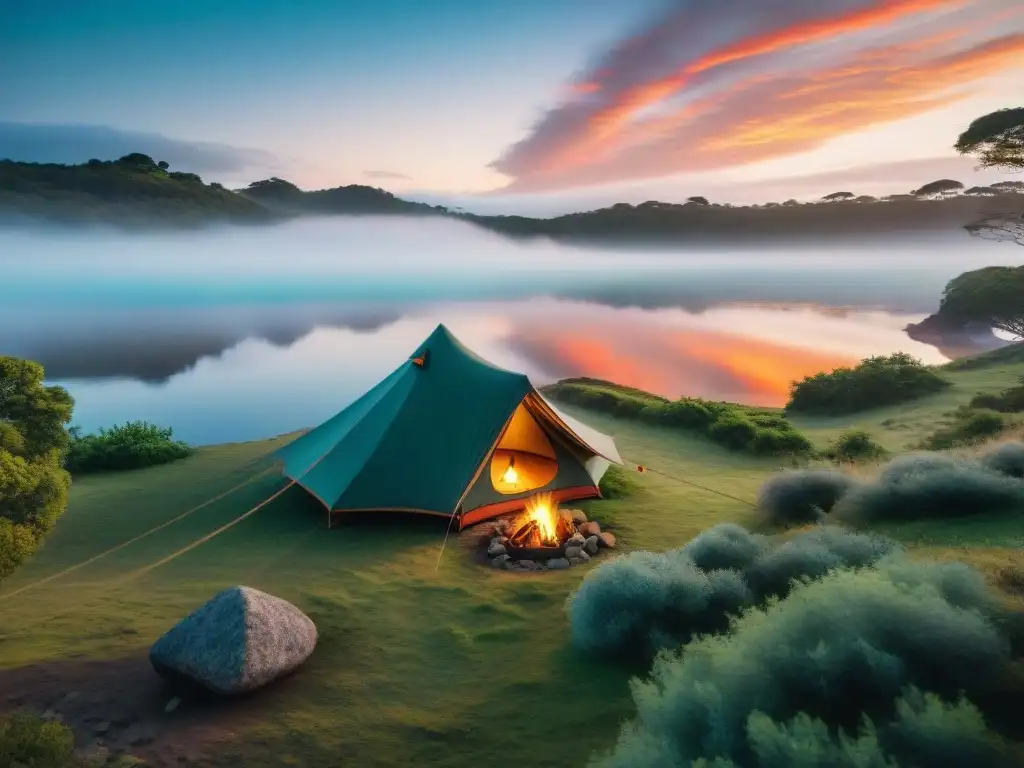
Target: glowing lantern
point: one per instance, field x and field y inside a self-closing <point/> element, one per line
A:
<point x="511" y="476"/>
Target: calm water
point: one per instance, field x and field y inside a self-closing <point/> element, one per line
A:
<point x="239" y="334"/>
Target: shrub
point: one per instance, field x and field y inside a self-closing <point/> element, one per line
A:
<point x="133" y="445"/>
<point x="969" y="427"/>
<point x="854" y="446"/>
<point x="875" y="382"/>
<point x="731" y="426"/>
<point x="931" y="488"/>
<point x="1008" y="401"/>
<point x="882" y="651"/>
<point x="28" y="741"/>
<point x="17" y="543"/>
<point x="1006" y="459"/>
<point x="797" y="497"/>
<point x="616" y="483"/>
<point x="636" y="604"/>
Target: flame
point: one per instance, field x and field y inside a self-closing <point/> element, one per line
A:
<point x="510" y="476"/>
<point x="541" y="510"/>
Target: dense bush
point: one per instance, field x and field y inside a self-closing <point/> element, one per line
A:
<point x="28" y="741"/>
<point x="854" y="446"/>
<point x="968" y="427"/>
<point x="874" y="667"/>
<point x="33" y="438"/>
<point x="617" y="483"/>
<point x="1008" y="401"/>
<point x="133" y="445"/>
<point x="931" y="487"/>
<point x="732" y="426"/>
<point x="636" y="604"/>
<point x="875" y="382"/>
<point x="1006" y="459"/>
<point x="804" y="496"/>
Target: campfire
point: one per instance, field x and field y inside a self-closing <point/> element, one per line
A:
<point x="543" y="536"/>
<point x="542" y="525"/>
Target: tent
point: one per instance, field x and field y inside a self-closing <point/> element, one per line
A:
<point x="448" y="433"/>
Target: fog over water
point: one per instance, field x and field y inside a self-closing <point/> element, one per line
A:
<point x="241" y="333"/>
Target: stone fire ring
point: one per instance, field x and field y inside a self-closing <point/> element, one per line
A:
<point x="578" y="549"/>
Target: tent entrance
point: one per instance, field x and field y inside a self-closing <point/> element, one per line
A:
<point x="524" y="458"/>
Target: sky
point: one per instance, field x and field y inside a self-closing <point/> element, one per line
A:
<point x="523" y="107"/>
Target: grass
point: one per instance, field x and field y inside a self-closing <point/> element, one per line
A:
<point x="417" y="665"/>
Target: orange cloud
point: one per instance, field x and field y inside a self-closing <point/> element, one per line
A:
<point x="737" y="111"/>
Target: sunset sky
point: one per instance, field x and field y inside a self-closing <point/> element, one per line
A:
<point x="529" y="105"/>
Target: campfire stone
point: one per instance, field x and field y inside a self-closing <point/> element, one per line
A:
<point x="571" y="552"/>
<point x="590" y="528"/>
<point x="528" y="565"/>
<point x="240" y="640"/>
<point x="558" y="564"/>
<point x="501" y="560"/>
<point x="576" y="540"/>
<point x="591" y="545"/>
<point x="579" y="516"/>
<point x="580" y="559"/>
<point x="606" y="539"/>
<point x="496" y="549"/>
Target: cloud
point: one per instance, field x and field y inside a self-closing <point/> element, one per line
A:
<point x="386" y="175"/>
<point x="711" y="85"/>
<point x="66" y="143"/>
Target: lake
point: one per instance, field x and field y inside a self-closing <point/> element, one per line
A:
<point x="242" y="333"/>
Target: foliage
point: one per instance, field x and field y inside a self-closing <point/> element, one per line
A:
<point x="996" y="139"/>
<point x="636" y="604"/>
<point x="33" y="439"/>
<point x="991" y="295"/>
<point x="930" y="488"/>
<point x="853" y="446"/>
<point x="939" y="187"/>
<point x="617" y="483"/>
<point x="874" y="382"/>
<point x="967" y="428"/>
<point x="839" y="196"/>
<point x="885" y="659"/>
<point x="133" y="445"/>
<point x="28" y="741"/>
<point x="734" y="427"/>
<point x="1008" y="401"/>
<point x="1006" y="459"/>
<point x="797" y="497"/>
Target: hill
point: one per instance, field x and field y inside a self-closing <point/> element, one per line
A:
<point x="283" y="196"/>
<point x="654" y="222"/>
<point x="134" y="190"/>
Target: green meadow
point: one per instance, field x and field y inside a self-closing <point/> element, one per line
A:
<point x="424" y="657"/>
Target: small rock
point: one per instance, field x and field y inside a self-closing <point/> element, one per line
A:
<point x="173" y="704"/>
<point x="500" y="561"/>
<point x="138" y="734"/>
<point x="572" y="552"/>
<point x="17" y="699"/>
<point x="70" y="696"/>
<point x="591" y="545"/>
<point x="558" y="564"/>
<point x="101" y="727"/>
<point x="496" y="549"/>
<point x="578" y="516"/>
<point x="576" y="540"/>
<point x="606" y="539"/>
<point x="576" y="560"/>
<point x="528" y="565"/>
<point x="591" y="528"/>
<point x="53" y="716"/>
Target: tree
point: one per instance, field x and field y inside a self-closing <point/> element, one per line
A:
<point x="698" y="200"/>
<point x="836" y="196"/>
<point x="992" y="295"/>
<point x="137" y="160"/>
<point x="940" y="187"/>
<point x="163" y="165"/>
<point x="33" y="439"/>
<point x="996" y="139"/>
<point x="982" y="191"/>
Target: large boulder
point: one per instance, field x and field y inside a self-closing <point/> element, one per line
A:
<point x="239" y="641"/>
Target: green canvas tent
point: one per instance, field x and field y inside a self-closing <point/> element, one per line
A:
<point x="450" y="434"/>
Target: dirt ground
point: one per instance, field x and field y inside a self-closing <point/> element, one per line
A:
<point x="119" y="708"/>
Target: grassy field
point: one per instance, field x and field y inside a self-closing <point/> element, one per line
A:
<point x="416" y="665"/>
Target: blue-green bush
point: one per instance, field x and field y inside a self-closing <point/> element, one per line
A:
<point x="636" y="604"/>
<point x="797" y="497"/>
<point x="1006" y="459"/>
<point x="133" y="445"/>
<point x="861" y="667"/>
<point x="932" y="488"/>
